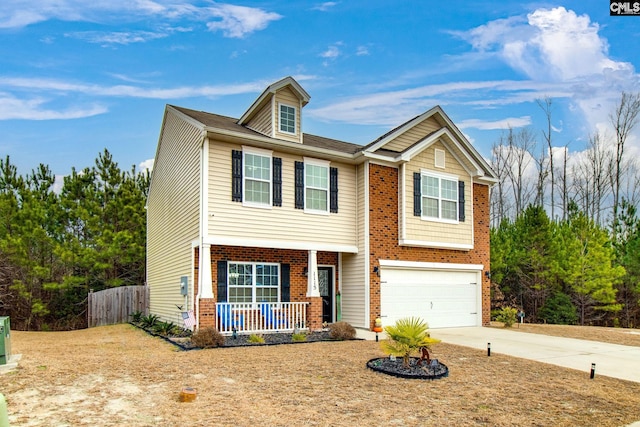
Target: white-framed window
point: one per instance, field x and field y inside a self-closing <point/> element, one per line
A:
<point x="253" y="282"/>
<point x="257" y="176"/>
<point x="439" y="197"/>
<point x="287" y="119"/>
<point x="316" y="185"/>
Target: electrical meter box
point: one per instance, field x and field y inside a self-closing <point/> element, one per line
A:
<point x="184" y="285"/>
<point x="5" y="340"/>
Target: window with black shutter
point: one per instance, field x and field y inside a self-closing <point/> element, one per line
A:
<point x="299" y="185"/>
<point x="277" y="181"/>
<point x="438" y="196"/>
<point x="222" y="281"/>
<point x="333" y="190"/>
<point x="417" y="195"/>
<point x="236" y="175"/>
<point x="285" y="284"/>
<point x="461" y="201"/>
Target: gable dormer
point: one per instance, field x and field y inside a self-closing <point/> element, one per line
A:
<point x="277" y="113"/>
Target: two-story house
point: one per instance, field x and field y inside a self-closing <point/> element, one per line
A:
<point x="256" y="226"/>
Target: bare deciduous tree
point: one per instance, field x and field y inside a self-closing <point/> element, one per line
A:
<point x="546" y="104"/>
<point x="590" y="179"/>
<point x="521" y="145"/>
<point x="500" y="162"/>
<point x="623" y="119"/>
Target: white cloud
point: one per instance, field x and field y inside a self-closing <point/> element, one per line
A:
<point x="234" y="21"/>
<point x="550" y="44"/>
<point x="394" y="107"/>
<point x="37" y="84"/>
<point x="119" y="37"/>
<point x="509" y="122"/>
<point x="323" y="7"/>
<point x="239" y="21"/>
<point x="58" y="183"/>
<point x="36" y="109"/>
<point x="362" y="51"/>
<point x="332" y="51"/>
<point x="146" y="165"/>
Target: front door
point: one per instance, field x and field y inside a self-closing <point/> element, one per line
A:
<point x="325" y="282"/>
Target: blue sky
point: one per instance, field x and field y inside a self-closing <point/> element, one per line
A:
<point x="79" y="76"/>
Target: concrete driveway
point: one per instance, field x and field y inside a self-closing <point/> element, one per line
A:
<point x="612" y="360"/>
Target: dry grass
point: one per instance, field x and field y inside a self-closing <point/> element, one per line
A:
<point x="118" y="375"/>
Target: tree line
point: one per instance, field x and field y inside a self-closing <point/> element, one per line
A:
<point x="57" y="245"/>
<point x="565" y="232"/>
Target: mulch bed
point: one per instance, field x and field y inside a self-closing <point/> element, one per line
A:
<point x="183" y="341"/>
<point x="416" y="370"/>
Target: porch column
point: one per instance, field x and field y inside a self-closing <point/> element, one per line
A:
<point x="313" y="290"/>
<point x="205" y="286"/>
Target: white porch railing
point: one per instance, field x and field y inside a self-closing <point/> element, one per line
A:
<point x="262" y="317"/>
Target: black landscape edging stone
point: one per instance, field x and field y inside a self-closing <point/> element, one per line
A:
<point x="395" y="368"/>
<point x="243" y="340"/>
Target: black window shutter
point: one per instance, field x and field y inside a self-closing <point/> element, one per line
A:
<point x="222" y="281"/>
<point x="277" y="181"/>
<point x="461" y="201"/>
<point x="236" y="176"/>
<point x="285" y="287"/>
<point x="299" y="184"/>
<point x="333" y="190"/>
<point x="417" y="196"/>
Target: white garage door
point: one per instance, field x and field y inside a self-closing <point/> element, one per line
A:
<point x="441" y="298"/>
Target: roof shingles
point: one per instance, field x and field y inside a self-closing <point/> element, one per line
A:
<point x="231" y="124"/>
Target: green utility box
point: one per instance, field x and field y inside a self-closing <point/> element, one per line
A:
<point x="5" y="340"/>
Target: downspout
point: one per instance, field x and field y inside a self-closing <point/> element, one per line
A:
<point x="367" y="249"/>
<point x="203" y="226"/>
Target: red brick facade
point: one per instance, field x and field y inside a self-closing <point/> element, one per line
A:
<point x="383" y="229"/>
<point x="297" y="259"/>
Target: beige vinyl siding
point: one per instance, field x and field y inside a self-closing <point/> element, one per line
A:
<point x="262" y="122"/>
<point x="279" y="224"/>
<point x="413" y="135"/>
<point x="435" y="231"/>
<point x="354" y="265"/>
<point x="173" y="216"/>
<point x="286" y="96"/>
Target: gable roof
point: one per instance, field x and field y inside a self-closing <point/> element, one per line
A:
<point x="269" y="92"/>
<point x="448" y="129"/>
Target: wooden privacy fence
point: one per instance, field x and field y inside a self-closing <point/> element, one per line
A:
<point x="116" y="305"/>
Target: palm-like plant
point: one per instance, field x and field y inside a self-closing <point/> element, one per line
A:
<point x="407" y="336"/>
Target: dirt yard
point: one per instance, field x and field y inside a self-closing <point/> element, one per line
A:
<point x="119" y="376"/>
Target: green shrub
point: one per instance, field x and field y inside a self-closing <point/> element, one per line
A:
<point x="559" y="310"/>
<point x="149" y="321"/>
<point x="136" y="316"/>
<point x="164" y="328"/>
<point x="342" y="331"/>
<point x="507" y="316"/>
<point x="299" y="337"/>
<point x="407" y="336"/>
<point x="256" y="339"/>
<point x="207" y="338"/>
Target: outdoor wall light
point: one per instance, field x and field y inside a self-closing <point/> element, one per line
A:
<point x="376" y="270"/>
<point x="305" y="272"/>
<point x="487" y="274"/>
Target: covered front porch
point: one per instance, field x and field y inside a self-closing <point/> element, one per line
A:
<point x="263" y="317"/>
<point x="260" y="290"/>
